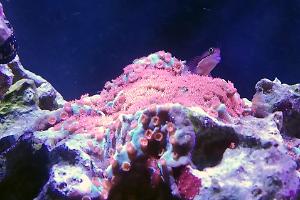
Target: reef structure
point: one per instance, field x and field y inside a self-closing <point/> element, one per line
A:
<point x="157" y="131"/>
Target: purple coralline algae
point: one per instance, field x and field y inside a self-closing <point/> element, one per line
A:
<point x="157" y="131"/>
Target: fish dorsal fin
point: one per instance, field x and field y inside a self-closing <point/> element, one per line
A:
<point x="192" y="64"/>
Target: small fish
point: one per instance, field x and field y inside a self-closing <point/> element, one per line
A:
<point x="205" y="63"/>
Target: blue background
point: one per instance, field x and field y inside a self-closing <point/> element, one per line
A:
<point x="78" y="45"/>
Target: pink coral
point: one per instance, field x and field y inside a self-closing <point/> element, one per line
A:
<point x="188" y="90"/>
<point x="165" y="80"/>
<point x="149" y="81"/>
<point x="156" y="79"/>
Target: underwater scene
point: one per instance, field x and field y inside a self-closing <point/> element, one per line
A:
<point x="149" y="100"/>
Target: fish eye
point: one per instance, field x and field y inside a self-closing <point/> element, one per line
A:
<point x="211" y="50"/>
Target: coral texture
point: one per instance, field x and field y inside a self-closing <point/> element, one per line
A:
<point x="157" y="131"/>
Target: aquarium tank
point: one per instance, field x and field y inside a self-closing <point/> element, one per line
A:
<point x="149" y="100"/>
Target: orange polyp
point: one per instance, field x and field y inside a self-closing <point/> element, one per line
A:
<point x="156" y="121"/>
<point x="177" y="67"/>
<point x="144" y="142"/>
<point x="64" y="115"/>
<point x="148" y="134"/>
<point x="130" y="151"/>
<point x="175" y="156"/>
<point x="161" y="152"/>
<point x="52" y="120"/>
<point x="158" y="136"/>
<point x="126" y="166"/>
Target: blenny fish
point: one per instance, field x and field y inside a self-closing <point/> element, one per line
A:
<point x="205" y="63"/>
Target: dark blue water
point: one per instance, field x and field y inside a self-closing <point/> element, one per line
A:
<point x="78" y="45"/>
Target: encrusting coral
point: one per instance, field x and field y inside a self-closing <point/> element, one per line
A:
<point x="162" y="128"/>
<point x="124" y="122"/>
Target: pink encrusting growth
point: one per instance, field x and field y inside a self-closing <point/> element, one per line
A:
<point x="161" y="78"/>
<point x="150" y="81"/>
<point x="188" y="90"/>
<point x="156" y="79"/>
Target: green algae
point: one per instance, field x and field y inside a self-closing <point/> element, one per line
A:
<point x="9" y="107"/>
<point x="20" y="96"/>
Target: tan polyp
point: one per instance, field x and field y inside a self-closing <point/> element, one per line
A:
<point x="156" y="121"/>
<point x="148" y="134"/>
<point x="158" y="136"/>
<point x="126" y="166"/>
<point x="175" y="156"/>
<point x="144" y="142"/>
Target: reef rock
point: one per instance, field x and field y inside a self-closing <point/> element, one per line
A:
<point x="49" y="98"/>
<point x="155" y="132"/>
<point x="273" y="96"/>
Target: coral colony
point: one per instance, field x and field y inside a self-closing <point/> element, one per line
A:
<point x="158" y="131"/>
